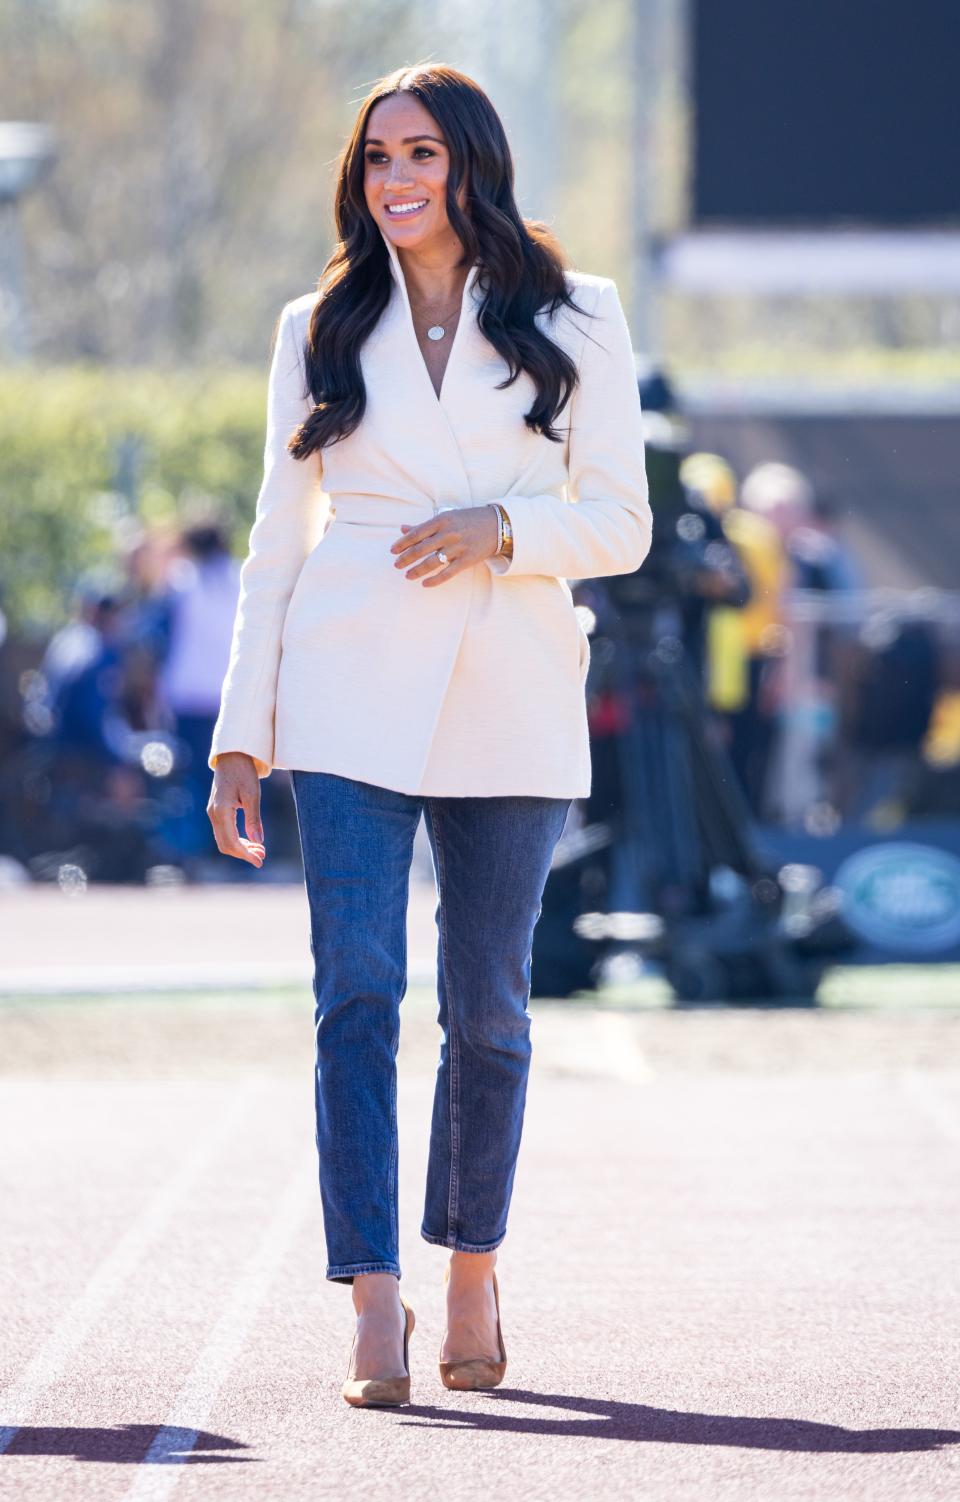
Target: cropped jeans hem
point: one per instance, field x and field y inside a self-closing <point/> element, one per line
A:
<point x="346" y="1272"/>
<point x="457" y="1245"/>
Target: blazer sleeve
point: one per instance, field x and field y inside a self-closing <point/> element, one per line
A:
<point x="606" y="525"/>
<point x="280" y="540"/>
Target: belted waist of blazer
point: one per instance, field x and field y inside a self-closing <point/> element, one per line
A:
<point x="385" y="510"/>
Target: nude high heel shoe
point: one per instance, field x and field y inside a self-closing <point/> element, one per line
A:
<point x="478" y="1371"/>
<point x="378" y="1392"/>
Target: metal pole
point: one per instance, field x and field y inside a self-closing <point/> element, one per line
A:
<point x="644" y="53"/>
<point x="12" y="312"/>
<point x="27" y="151"/>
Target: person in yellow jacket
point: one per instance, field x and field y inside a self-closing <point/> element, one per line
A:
<point x="744" y="643"/>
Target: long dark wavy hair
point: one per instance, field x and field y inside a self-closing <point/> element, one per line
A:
<point x="520" y="272"/>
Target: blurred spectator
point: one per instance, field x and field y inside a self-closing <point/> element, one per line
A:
<point x="83" y="669"/>
<point x="807" y="684"/>
<point x="745" y="644"/>
<point x="82" y="783"/>
<point x="691" y="562"/>
<point x="201" y="605"/>
<point x="147" y="561"/>
<point x="806" y="522"/>
<point x="711" y="579"/>
<point x="891" y="677"/>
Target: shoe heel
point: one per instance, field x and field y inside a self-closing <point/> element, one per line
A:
<point x="382" y="1392"/>
<point x="479" y="1371"/>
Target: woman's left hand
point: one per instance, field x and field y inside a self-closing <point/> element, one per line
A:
<point x="466" y="534"/>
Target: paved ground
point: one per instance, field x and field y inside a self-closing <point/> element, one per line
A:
<point x="732" y="1270"/>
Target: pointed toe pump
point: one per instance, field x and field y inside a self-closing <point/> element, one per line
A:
<point x="478" y="1371"/>
<point x="381" y="1392"/>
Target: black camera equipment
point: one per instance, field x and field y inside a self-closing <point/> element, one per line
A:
<point x="662" y="866"/>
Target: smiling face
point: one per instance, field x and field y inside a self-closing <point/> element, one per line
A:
<point x="406" y="162"/>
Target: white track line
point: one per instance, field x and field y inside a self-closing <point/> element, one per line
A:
<point x="20" y="1398"/>
<point x="159" y="1472"/>
<point x="622" y="1052"/>
<point x="602" y="1045"/>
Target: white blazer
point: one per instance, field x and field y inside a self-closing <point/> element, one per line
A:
<point x="474" y="687"/>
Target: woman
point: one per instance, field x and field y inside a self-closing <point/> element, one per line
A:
<point x="413" y="649"/>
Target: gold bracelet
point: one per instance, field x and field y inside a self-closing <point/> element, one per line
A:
<point x="506" y="551"/>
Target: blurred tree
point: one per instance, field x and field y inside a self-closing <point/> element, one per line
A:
<point x="197" y="146"/>
<point x="198" y="434"/>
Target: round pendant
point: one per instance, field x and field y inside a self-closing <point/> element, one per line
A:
<point x="436" y="332"/>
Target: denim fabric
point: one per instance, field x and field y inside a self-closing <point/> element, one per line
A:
<point x="491" y="857"/>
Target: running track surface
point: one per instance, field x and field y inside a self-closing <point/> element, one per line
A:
<point x="731" y="1273"/>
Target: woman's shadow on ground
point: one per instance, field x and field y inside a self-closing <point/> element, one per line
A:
<point x="592" y="1418"/>
<point x="595" y="1418"/>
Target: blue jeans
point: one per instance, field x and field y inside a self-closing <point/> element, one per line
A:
<point x="491" y="857"/>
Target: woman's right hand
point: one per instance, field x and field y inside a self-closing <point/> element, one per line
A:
<point x="237" y="785"/>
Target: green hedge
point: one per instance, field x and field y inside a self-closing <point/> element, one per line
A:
<point x="197" y="436"/>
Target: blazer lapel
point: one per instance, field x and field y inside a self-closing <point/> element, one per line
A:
<point x="403" y="351"/>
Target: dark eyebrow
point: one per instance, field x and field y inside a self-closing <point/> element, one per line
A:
<point x="407" y="140"/>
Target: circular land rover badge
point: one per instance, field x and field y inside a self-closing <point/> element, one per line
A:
<point x="902" y="896"/>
